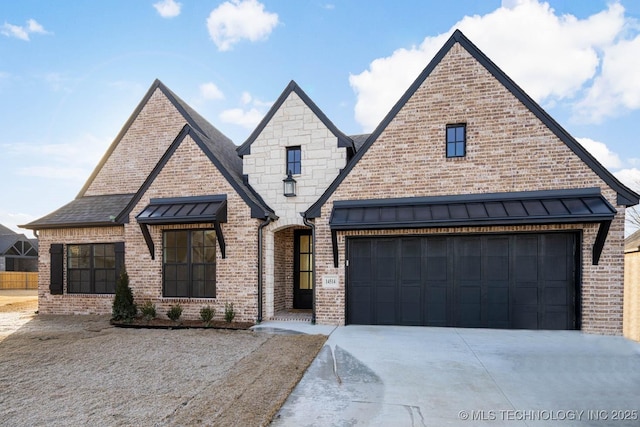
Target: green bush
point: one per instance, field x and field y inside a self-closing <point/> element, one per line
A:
<point x="123" y="309"/>
<point x="148" y="310"/>
<point x="206" y="314"/>
<point x="174" y="313"/>
<point x="229" y="312"/>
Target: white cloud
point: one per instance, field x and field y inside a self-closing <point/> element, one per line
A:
<point x="210" y="91"/>
<point x="601" y="152"/>
<point x="22" y="33"/>
<point x="237" y="20"/>
<point x="11" y="220"/>
<point x="246" y="118"/>
<point x="629" y="177"/>
<point x="617" y="87"/>
<point x="246" y="98"/>
<point x="72" y="160"/>
<point x="552" y="57"/>
<point x="168" y="8"/>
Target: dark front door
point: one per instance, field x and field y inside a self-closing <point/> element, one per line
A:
<point x="302" y="269"/>
<point x="516" y="281"/>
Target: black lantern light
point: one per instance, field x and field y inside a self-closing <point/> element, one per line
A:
<point x="289" y="186"/>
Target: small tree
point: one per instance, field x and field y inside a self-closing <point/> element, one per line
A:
<point x="123" y="306"/>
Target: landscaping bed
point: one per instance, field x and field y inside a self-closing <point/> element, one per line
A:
<point x="81" y="370"/>
<point x="159" y="323"/>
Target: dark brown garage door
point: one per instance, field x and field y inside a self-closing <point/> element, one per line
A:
<point x="521" y="281"/>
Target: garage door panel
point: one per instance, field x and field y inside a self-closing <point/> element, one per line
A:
<point x="525" y="317"/>
<point x="499" y="281"/>
<point x="555" y="318"/>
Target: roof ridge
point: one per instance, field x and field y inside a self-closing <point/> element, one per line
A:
<point x="343" y="139"/>
<point x="626" y="196"/>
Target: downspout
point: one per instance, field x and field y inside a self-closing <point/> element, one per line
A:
<point x="260" y="267"/>
<point x="313" y="266"/>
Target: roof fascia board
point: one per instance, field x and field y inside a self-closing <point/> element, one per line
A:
<point x="132" y="118"/>
<point x="343" y="140"/>
<point x="256" y="211"/>
<point x="480" y="197"/>
<point x="626" y="196"/>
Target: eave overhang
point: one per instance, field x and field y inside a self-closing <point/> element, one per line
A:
<point x="478" y="210"/>
<point x="184" y="210"/>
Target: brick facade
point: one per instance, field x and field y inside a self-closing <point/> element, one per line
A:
<point x="508" y="149"/>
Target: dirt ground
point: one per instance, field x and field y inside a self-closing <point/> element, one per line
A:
<point x="80" y="370"/>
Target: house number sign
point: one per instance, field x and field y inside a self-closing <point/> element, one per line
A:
<point x="330" y="281"/>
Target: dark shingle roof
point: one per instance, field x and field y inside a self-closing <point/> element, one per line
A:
<point x="97" y="210"/>
<point x="4" y="231"/>
<point x="632" y="243"/>
<point x="84" y="211"/>
<point x="359" y="140"/>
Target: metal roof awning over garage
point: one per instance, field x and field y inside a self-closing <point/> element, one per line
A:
<point x="184" y="210"/>
<point x="477" y="210"/>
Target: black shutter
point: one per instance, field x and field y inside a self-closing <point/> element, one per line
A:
<point x="119" y="248"/>
<point x="56" y="268"/>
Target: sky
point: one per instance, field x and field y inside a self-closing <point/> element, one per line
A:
<point x="72" y="72"/>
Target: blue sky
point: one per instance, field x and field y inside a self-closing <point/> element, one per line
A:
<point x="72" y="72"/>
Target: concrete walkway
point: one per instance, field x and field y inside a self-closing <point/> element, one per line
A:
<point x="415" y="376"/>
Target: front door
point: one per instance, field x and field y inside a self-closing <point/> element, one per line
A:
<point x="302" y="269"/>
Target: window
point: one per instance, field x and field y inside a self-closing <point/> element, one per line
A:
<point x="293" y="161"/>
<point x="189" y="263"/>
<point x="456" y="140"/>
<point x="91" y="269"/>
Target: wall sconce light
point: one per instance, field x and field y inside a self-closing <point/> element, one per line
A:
<point x="289" y="186"/>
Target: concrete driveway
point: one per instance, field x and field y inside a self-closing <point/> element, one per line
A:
<point x="415" y="376"/>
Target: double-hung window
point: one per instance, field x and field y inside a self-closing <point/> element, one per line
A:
<point x="91" y="268"/>
<point x="456" y="140"/>
<point x="189" y="263"/>
<point x="294" y="164"/>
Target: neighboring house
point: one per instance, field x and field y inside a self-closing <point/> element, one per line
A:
<point x="17" y="253"/>
<point x="467" y="206"/>
<point x="632" y="286"/>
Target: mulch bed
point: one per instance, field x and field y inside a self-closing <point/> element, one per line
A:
<point x="159" y="323"/>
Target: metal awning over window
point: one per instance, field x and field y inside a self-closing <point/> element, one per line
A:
<point x="184" y="210"/>
<point x="518" y="208"/>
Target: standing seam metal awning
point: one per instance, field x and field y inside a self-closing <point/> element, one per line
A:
<point x="184" y="210"/>
<point x="518" y="208"/>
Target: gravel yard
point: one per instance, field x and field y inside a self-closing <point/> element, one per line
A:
<point x="80" y="370"/>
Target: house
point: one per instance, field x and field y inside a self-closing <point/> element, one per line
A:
<point x="467" y="206"/>
<point x="632" y="286"/>
<point x="17" y="252"/>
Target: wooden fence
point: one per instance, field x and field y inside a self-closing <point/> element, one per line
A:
<point x="18" y="280"/>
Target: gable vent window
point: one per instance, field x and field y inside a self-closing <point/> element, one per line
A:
<point x="456" y="140"/>
<point x="293" y="161"/>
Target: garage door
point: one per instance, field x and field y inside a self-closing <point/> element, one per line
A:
<point x="523" y="281"/>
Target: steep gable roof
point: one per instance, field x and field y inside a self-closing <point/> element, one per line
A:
<point x="222" y="146"/>
<point x="343" y="140"/>
<point x="4" y="231"/>
<point x="626" y="196"/>
<point x="106" y="210"/>
<point x="220" y="160"/>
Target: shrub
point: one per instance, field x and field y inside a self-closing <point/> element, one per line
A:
<point x="123" y="309"/>
<point x="148" y="310"/>
<point x="229" y="312"/>
<point x="206" y="314"/>
<point x="174" y="313"/>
